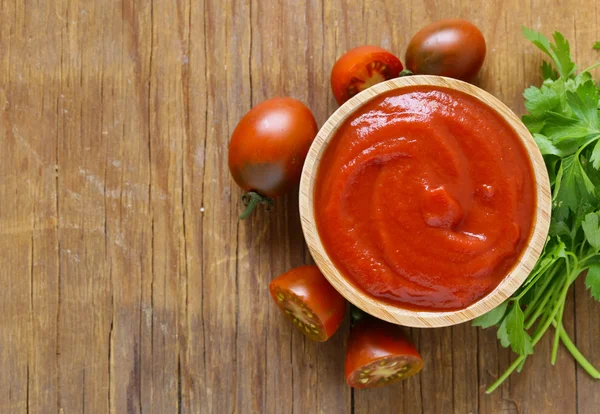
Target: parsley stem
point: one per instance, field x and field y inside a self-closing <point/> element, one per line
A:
<point x="536" y="338"/>
<point x="582" y="360"/>
<point x="549" y="295"/>
<point x="534" y="277"/>
<point x="591" y="67"/>
<point x="559" y="330"/>
<point x="504" y="376"/>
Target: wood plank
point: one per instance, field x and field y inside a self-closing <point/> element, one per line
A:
<point x="39" y="125"/>
<point x="27" y="216"/>
<point x="587" y="310"/>
<point x="228" y="83"/>
<point x="84" y="281"/>
<point x="167" y="138"/>
<point x="128" y="227"/>
<point x="195" y="84"/>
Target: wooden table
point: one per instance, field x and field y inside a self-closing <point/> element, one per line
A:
<point x="127" y="282"/>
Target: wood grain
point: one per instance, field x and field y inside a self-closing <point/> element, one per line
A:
<point x="128" y="284"/>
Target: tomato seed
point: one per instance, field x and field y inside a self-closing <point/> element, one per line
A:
<point x="393" y="364"/>
<point x="364" y="380"/>
<point x="280" y="297"/>
<point x="288" y="312"/>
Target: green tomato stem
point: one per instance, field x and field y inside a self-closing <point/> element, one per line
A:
<point x="252" y="199"/>
<point x="582" y="360"/>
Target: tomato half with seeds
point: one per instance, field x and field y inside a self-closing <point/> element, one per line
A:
<point x="451" y="47"/>
<point x="379" y="354"/>
<point x="309" y="301"/>
<point x="360" y="68"/>
<point x="268" y="148"/>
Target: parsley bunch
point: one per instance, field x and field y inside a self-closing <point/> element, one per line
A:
<point x="564" y="121"/>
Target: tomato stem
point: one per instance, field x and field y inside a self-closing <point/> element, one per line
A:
<point x="252" y="199"/>
<point x="356" y="314"/>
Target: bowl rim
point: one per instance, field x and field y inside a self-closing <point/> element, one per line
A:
<point x="384" y="310"/>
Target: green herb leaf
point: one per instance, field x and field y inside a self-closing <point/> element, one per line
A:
<point x="564" y="121"/>
<point x="491" y="318"/>
<point x="574" y="187"/>
<point x="595" y="158"/>
<point x="592" y="281"/>
<point x="596" y="46"/>
<point x="560" y="51"/>
<point x="503" y="334"/>
<point x="519" y="339"/>
<point x="563" y="55"/>
<point x="546" y="146"/>
<point x="591" y="230"/>
<point x="548" y="72"/>
<point x="540" y="101"/>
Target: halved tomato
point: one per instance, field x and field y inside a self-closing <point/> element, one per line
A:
<point x="360" y="68"/>
<point x="309" y="301"/>
<point x="379" y="354"/>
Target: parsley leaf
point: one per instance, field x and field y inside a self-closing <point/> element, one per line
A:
<point x="595" y="157"/>
<point x="515" y="333"/>
<point x="573" y="188"/>
<point x="592" y="281"/>
<point x="591" y="230"/>
<point x="560" y="51"/>
<point x="539" y="101"/>
<point x="596" y="46"/>
<point x="564" y="121"/>
<point x="548" y="71"/>
<point x="493" y="317"/>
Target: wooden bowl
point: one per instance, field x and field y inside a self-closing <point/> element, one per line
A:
<point x="381" y="309"/>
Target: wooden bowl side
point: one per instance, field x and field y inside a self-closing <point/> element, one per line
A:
<point x="383" y="310"/>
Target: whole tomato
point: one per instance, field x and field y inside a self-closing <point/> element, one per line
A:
<point x="451" y="47"/>
<point x="268" y="148"/>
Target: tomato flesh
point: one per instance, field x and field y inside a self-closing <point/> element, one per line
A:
<point x="384" y="371"/>
<point x="379" y="354"/>
<point x="301" y="315"/>
<point x="309" y="301"/>
<point x="375" y="72"/>
<point x="360" y="68"/>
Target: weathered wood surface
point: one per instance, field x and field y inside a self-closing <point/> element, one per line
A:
<point x="128" y="285"/>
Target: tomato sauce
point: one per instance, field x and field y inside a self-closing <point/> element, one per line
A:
<point x="425" y="198"/>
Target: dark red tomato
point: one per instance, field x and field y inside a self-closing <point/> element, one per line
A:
<point x="268" y="148"/>
<point x="379" y="354"/>
<point x="309" y="301"/>
<point x="451" y="47"/>
<point x="361" y="68"/>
